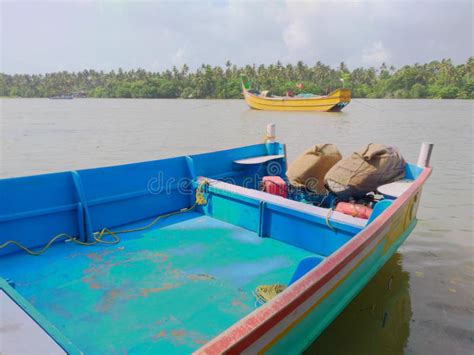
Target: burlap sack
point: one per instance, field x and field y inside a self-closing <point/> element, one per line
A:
<point x="365" y="170"/>
<point x="309" y="169"/>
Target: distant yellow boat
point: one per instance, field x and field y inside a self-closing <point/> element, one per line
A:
<point x="334" y="102"/>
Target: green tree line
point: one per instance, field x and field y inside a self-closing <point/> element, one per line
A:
<point x="437" y="79"/>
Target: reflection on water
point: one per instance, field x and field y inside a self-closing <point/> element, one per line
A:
<point x="377" y="321"/>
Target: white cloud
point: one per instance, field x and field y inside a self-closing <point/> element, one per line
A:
<point x="375" y="55"/>
<point x="179" y="55"/>
<point x="296" y="36"/>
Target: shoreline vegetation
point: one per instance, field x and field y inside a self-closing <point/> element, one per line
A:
<point x="434" y="80"/>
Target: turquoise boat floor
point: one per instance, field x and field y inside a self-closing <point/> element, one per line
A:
<point x="164" y="290"/>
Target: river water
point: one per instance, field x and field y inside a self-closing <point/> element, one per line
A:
<point x="428" y="307"/>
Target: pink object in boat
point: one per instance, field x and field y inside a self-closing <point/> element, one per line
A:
<point x="354" y="209"/>
<point x="274" y="185"/>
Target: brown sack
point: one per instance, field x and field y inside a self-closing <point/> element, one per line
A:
<point x="309" y="169"/>
<point x="365" y="170"/>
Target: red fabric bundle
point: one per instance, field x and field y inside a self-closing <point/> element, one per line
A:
<point x="275" y="185"/>
<point x="354" y="209"/>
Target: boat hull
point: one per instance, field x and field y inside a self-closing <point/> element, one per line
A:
<point x="334" y="102"/>
<point x="265" y="237"/>
<point x="292" y="321"/>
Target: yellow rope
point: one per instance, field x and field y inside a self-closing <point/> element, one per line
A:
<point x="199" y="195"/>
<point x="265" y="293"/>
<point x="98" y="237"/>
<point x="267" y="137"/>
<point x="29" y="251"/>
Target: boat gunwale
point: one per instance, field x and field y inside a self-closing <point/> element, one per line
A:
<point x="249" y="329"/>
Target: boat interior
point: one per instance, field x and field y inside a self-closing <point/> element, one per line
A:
<point x="289" y="95"/>
<point x="173" y="284"/>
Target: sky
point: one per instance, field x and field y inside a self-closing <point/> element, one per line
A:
<point x="49" y="36"/>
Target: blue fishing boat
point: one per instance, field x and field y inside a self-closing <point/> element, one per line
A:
<point x="179" y="255"/>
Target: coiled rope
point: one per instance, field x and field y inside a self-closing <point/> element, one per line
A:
<point x="98" y="237"/>
<point x="265" y="293"/>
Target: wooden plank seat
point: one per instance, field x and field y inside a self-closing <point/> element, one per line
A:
<point x="258" y="160"/>
<point x="284" y="202"/>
